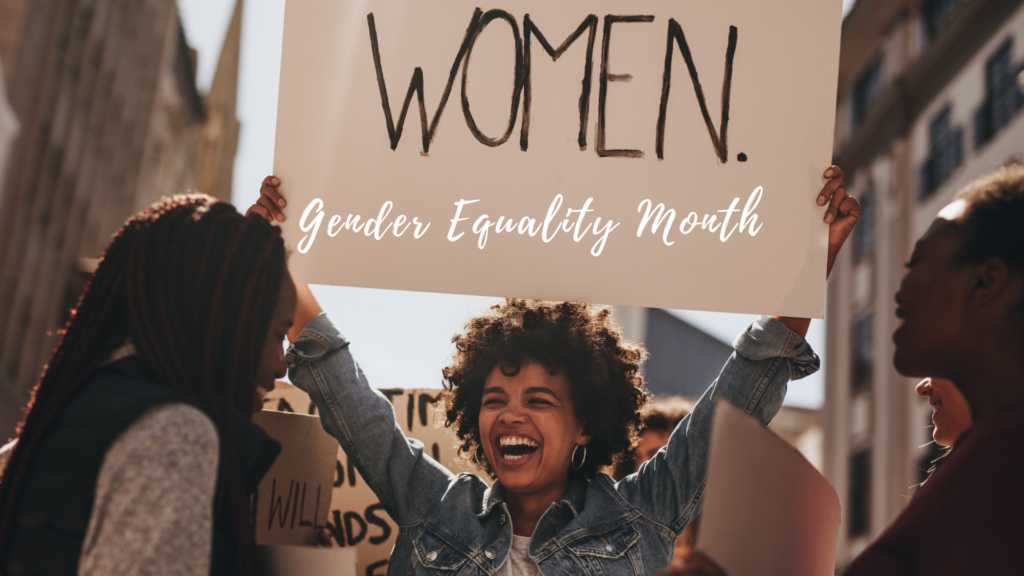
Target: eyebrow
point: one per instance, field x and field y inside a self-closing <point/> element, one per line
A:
<point x="541" y="390"/>
<point x="493" y="390"/>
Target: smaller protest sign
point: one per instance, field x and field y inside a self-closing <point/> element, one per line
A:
<point x="294" y="498"/>
<point x="767" y="511"/>
<point x="357" y="518"/>
<point x="308" y="561"/>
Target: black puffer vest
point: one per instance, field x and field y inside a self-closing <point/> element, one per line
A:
<point x="56" y="503"/>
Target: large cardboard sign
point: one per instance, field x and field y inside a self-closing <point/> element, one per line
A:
<point x="649" y="153"/>
<point x="294" y="497"/>
<point x="357" y="519"/>
<point x="767" y="511"/>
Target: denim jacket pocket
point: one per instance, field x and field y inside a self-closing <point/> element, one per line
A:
<point x="436" y="553"/>
<point x="612" y="544"/>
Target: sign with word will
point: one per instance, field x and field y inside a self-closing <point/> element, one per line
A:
<point x="356" y="518"/>
<point x="294" y="497"/>
<point x="650" y="153"/>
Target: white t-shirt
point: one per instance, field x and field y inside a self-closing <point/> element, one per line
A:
<point x="518" y="562"/>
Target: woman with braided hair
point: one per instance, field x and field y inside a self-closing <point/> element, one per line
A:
<point x="137" y="452"/>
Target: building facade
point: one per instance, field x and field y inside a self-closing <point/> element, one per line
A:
<point x="111" y="120"/>
<point x="928" y="101"/>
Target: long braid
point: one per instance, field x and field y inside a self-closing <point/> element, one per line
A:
<point x="194" y="284"/>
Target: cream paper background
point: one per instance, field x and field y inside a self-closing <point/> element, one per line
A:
<point x="332" y="143"/>
<point x="767" y="511"/>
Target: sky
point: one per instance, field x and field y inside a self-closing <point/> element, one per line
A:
<point x="401" y="339"/>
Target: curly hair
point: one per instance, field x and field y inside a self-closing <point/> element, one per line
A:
<point x="580" y="341"/>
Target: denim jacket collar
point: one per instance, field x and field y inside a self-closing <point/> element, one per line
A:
<point x="573" y="499"/>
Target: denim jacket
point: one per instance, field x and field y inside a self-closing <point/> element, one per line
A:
<point x="457" y="525"/>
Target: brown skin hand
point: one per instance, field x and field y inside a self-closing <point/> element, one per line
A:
<point x="842" y="214"/>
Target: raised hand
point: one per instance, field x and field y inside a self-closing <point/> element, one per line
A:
<point x="843" y="212"/>
<point x="271" y="204"/>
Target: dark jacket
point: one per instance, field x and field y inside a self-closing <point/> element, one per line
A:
<point x="55" y="506"/>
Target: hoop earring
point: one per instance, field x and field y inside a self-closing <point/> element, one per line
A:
<point x="572" y="459"/>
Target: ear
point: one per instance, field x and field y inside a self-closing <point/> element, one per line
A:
<point x="583" y="437"/>
<point x="993" y="280"/>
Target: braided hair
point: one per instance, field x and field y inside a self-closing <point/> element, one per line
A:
<point x="194" y="285"/>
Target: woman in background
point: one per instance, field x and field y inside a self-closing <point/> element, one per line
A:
<point x="961" y="311"/>
<point x="950" y="412"/>
<point x="137" y="453"/>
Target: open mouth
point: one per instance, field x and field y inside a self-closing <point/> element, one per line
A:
<point x="515" y="448"/>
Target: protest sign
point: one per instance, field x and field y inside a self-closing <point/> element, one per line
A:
<point x="767" y="511"/>
<point x="651" y="153"/>
<point x="307" y="561"/>
<point x="357" y="519"/>
<point x="294" y="497"/>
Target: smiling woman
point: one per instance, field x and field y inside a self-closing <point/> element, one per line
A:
<point x="542" y="395"/>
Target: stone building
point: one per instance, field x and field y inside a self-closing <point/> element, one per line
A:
<point x="111" y="120"/>
<point x="928" y="101"/>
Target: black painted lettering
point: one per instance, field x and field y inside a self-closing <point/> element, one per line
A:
<point x="284" y="406"/>
<point x="275" y="504"/>
<point x="339" y="474"/>
<point x="426" y="401"/>
<point x="371" y="570"/>
<point x="607" y="77"/>
<point x="336" y="529"/>
<point x="350" y="538"/>
<point x="488" y="17"/>
<point x="718" y="140"/>
<point x="529" y="30"/>
<point x="416" y="87"/>
<point x="373" y="518"/>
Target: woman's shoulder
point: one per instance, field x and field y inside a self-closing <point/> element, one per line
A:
<point x="169" y="436"/>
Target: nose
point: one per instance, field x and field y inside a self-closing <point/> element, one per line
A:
<point x="281" y="370"/>
<point x="924" y="388"/>
<point x="511" y="414"/>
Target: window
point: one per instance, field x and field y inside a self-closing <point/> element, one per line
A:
<point x="1003" y="96"/>
<point x="860" y="494"/>
<point x="862" y="345"/>
<point x="865" y="91"/>
<point x="935" y="14"/>
<point x="945" y="143"/>
<point x="864" y="232"/>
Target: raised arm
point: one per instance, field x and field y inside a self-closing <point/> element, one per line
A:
<point x="407" y="481"/>
<point x="668" y="488"/>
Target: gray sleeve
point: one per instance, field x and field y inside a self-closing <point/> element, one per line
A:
<point x="153" y="511"/>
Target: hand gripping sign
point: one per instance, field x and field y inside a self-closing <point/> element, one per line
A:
<point x="562" y="150"/>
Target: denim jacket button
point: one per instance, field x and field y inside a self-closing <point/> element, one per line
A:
<point x="490" y="554"/>
<point x="610" y="548"/>
<point x="432" y="556"/>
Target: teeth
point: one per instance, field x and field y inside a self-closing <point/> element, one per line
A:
<point x="517" y="441"/>
<point x="507" y="457"/>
